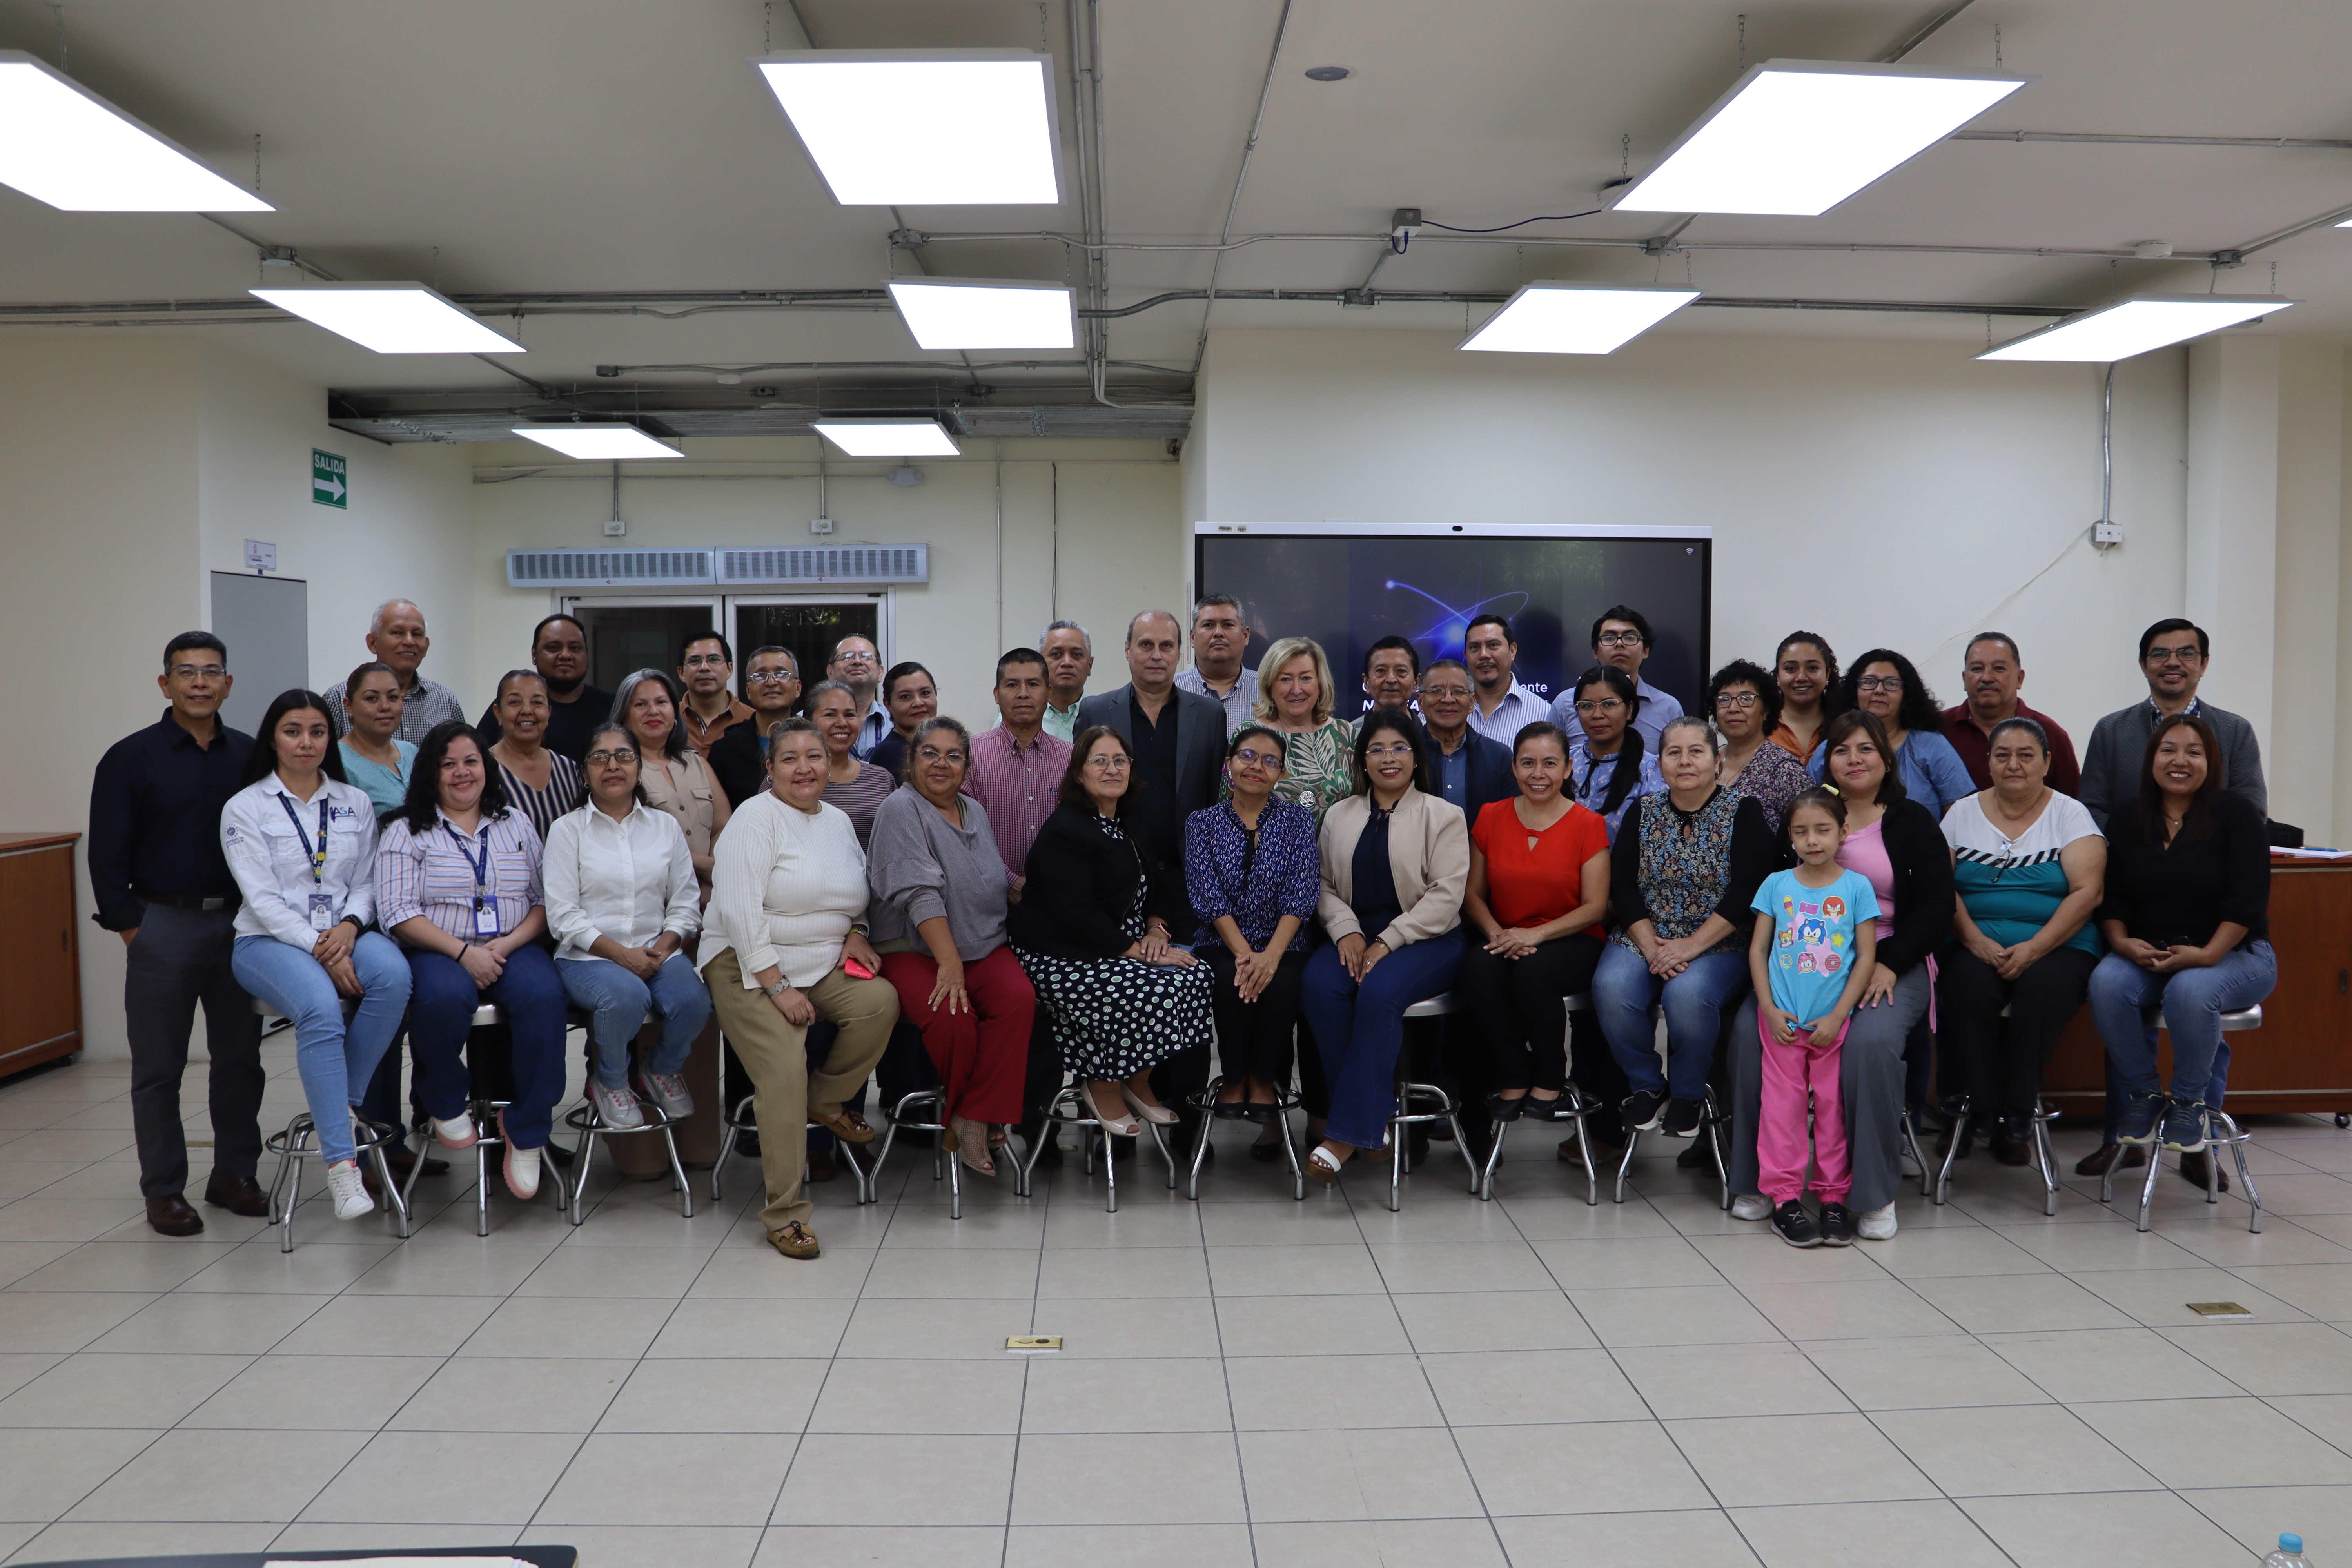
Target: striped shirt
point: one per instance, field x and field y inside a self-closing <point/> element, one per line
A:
<point x="565" y="786"/>
<point x="1015" y="784"/>
<point x="434" y="875"/>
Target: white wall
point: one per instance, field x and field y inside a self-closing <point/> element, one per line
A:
<point x="1879" y="492"/>
<point x="1121" y="541"/>
<point x="130" y="468"/>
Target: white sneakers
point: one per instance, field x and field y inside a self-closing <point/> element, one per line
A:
<point x="456" y="1132"/>
<point x="616" y="1108"/>
<point x="350" y="1194"/>
<point x="523" y="1172"/>
<point x="1751" y="1205"/>
<point x="1876" y="1224"/>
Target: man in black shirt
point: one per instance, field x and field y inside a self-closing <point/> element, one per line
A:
<point x="559" y="651"/>
<point x="160" y="879"/>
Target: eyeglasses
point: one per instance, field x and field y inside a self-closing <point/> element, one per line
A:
<point x="1878" y="683"/>
<point x="1609" y="705"/>
<point x="853" y="658"/>
<point x="1617" y="639"/>
<point x="2186" y="653"/>
<point x="1736" y="699"/>
<point x="1446" y="694"/>
<point x="933" y="754"/>
<point x="1399" y="750"/>
<point x="600" y="759"/>
<point x="1107" y="764"/>
<point x="199" y="671"/>
<point x="1257" y="759"/>
<point x="706" y="661"/>
<point x="772" y="678"/>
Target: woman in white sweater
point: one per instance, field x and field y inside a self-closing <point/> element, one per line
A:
<point x="784" y="944"/>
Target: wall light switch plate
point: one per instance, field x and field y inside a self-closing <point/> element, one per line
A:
<point x="616" y="528"/>
<point x="820" y="525"/>
<point x="2106" y="533"/>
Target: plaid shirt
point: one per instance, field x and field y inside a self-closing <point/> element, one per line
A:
<point x="432" y="876"/>
<point x="1015" y="784"/>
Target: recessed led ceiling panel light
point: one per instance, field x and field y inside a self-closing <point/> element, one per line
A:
<point x="888" y="437"/>
<point x="2136" y="326"/>
<point x="923" y="127"/>
<point x="1797" y="136"/>
<point x="974" y="314"/>
<point x="1574" y="319"/>
<point x="73" y="149"/>
<point x="598" y="443"/>
<point x="391" y="318"/>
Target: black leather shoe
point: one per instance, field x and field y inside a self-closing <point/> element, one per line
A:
<point x="403" y="1158"/>
<point x="2111" y="1157"/>
<point x="747" y="1142"/>
<point x="171" y="1215"/>
<point x="821" y="1165"/>
<point x="238" y="1195"/>
<point x="2009" y="1144"/>
<point x="1266" y="1152"/>
<point x="1695" y="1157"/>
<point x="1501" y="1110"/>
<point x="2192" y="1171"/>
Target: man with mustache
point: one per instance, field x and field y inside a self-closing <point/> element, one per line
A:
<point x="1990" y="672"/>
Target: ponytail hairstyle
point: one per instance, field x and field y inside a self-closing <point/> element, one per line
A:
<point x="1629" y="757"/>
<point x="1823" y="797"/>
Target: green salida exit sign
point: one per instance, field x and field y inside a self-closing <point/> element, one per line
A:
<point x="329" y="479"/>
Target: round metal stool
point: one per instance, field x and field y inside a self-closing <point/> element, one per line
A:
<point x="1570" y="1106"/>
<point x="1081" y="1115"/>
<point x="485" y="1113"/>
<point x="295" y="1144"/>
<point x="943" y="1160"/>
<point x="592" y="1126"/>
<point x="1285" y="1100"/>
<point x="2225" y="1129"/>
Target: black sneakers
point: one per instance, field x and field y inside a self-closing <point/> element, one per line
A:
<point x="1836" y="1226"/>
<point x="1642" y="1111"/>
<point x="1792" y="1225"/>
<point x="1681" y="1118"/>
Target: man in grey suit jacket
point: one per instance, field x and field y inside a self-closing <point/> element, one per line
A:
<point x="2174" y="655"/>
<point x="1178" y="738"/>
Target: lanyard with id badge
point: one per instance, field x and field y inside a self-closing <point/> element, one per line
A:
<point x="322" y="907"/>
<point x="485" y="904"/>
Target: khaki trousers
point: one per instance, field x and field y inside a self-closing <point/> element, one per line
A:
<point x="775" y="1054"/>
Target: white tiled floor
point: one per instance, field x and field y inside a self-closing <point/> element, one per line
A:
<point x="1247" y="1380"/>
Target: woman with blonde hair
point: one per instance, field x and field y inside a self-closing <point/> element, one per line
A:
<point x="1295" y="695"/>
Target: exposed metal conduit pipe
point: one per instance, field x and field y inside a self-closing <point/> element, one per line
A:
<point x="2108" y="446"/>
<point x="1927" y="30"/>
<point x="1240" y="175"/>
<point x="2105" y="139"/>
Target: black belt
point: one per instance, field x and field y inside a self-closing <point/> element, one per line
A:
<point x="185" y="901"/>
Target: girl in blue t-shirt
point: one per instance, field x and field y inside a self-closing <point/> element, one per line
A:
<point x="1809" y="958"/>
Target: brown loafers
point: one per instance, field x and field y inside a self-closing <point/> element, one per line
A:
<point x="845" y="1125"/>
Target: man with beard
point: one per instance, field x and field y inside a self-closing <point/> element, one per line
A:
<point x="1503" y="707"/>
<point x="559" y="651"/>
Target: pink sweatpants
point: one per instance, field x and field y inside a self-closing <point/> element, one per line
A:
<point x="1789" y="1071"/>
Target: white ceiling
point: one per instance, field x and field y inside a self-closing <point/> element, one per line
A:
<point x="602" y="146"/>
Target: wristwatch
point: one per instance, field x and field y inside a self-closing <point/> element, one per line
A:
<point x="778" y="989"/>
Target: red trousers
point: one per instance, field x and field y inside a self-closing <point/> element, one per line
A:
<point x="983" y="1055"/>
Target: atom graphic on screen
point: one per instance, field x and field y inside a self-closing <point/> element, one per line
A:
<point x="1446" y="632"/>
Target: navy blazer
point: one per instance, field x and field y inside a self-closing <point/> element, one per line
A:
<point x="1490" y="777"/>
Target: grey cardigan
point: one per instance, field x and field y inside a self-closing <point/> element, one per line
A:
<point x="922" y="866"/>
<point x="2119" y="741"/>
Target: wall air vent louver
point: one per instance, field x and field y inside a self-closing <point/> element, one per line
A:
<point x="826" y="563"/>
<point x="608" y="568"/>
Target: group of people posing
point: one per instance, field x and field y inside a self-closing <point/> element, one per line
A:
<point x="1822" y="889"/>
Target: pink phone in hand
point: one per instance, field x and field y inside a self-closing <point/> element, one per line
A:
<point x="856" y="970"/>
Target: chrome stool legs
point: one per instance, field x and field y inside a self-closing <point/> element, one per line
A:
<point x="1285" y="1101"/>
<point x="2223" y="1130"/>
<point x="1710" y="1127"/>
<point x="1442" y="1109"/>
<point x="2045" y="1155"/>
<point x="1576" y="1109"/>
<point x="591" y="1127"/>
<point x="292" y="1147"/>
<point x="738" y="1122"/>
<point x="944" y="1159"/>
<point x="1081" y="1115"/>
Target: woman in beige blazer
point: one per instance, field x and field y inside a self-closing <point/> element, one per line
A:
<point x="1396" y="861"/>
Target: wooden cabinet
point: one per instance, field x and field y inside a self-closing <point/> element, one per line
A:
<point x="2301" y="1058"/>
<point x="40" y="953"/>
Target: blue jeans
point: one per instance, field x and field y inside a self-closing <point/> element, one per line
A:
<point x="335" y="1061"/>
<point x="619" y="1000"/>
<point x="1623" y="991"/>
<point x="1360" y="1028"/>
<point x="442" y="1014"/>
<point x="2193" y="1000"/>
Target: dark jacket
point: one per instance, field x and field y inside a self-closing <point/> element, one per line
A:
<point x="738" y="762"/>
<point x="1199" y="741"/>
<point x="1922" y="862"/>
<point x="1081" y="889"/>
<point x="1751" y="856"/>
<point x="2180" y="893"/>
<point x="1489" y="772"/>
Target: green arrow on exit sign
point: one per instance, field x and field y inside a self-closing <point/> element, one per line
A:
<point x="329" y="475"/>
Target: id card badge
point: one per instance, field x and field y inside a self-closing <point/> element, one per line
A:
<point x="322" y="912"/>
<point x="486" y="919"/>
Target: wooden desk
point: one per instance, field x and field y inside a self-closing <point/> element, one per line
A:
<point x="40" y="951"/>
<point x="2301" y="1058"/>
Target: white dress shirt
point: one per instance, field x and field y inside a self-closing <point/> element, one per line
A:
<point x="1519" y="709"/>
<point x="786" y="889"/>
<point x="264" y="853"/>
<point x="631" y="879"/>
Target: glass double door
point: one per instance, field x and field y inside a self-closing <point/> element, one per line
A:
<point x="628" y="635"/>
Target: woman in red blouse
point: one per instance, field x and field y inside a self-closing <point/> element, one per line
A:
<point x="1538" y="888"/>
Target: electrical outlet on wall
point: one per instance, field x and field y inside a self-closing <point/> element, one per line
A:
<point x="2106" y="533"/>
<point x="616" y="528"/>
<point x="820" y="525"/>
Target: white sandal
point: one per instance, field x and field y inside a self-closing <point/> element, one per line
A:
<point x="1322" y="1165"/>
